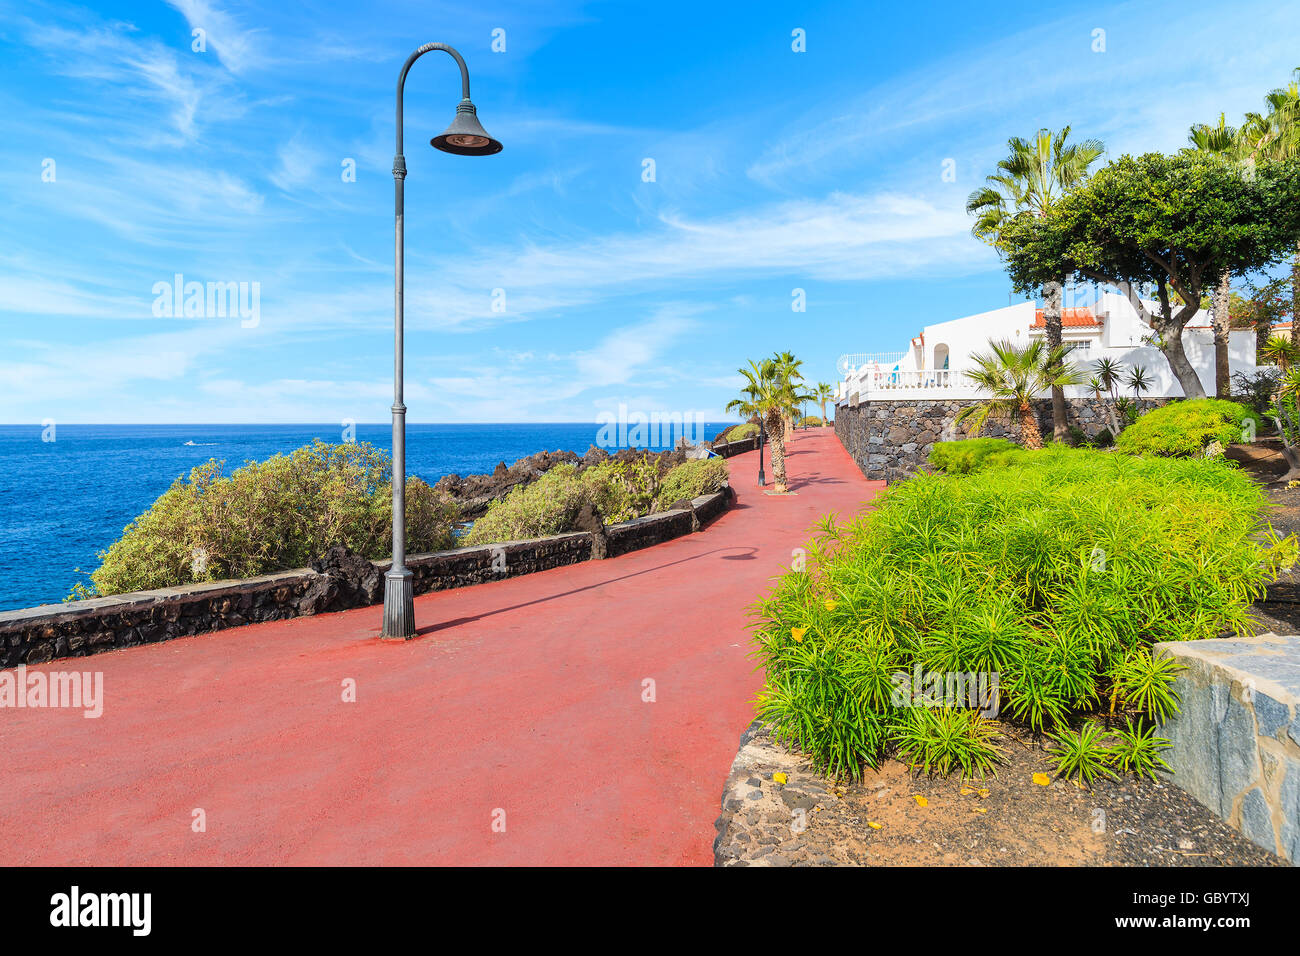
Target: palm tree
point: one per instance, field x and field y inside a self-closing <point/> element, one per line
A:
<point x="1275" y="137"/>
<point x="1108" y="375"/>
<point x="824" y="394"/>
<point x="1138" y="381"/>
<point x="1280" y="351"/>
<point x="788" y="367"/>
<point x="1013" y="376"/>
<point x="1030" y="181"/>
<point x="1230" y="144"/>
<point x="769" y="395"/>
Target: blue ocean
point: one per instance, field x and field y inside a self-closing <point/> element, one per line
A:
<point x="63" y="501"/>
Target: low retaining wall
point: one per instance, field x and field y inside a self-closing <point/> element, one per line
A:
<point x="728" y="448"/>
<point x="891" y="439"/>
<point x="77" y="628"/>
<point x="1235" y="742"/>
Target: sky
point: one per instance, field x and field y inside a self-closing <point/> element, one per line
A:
<point x="677" y="178"/>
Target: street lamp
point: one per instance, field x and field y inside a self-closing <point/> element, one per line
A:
<point x="762" y="433"/>
<point x="465" y="137"/>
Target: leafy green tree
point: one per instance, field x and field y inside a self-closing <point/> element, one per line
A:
<point x="1013" y="376"/>
<point x="1029" y="182"/>
<point x="1178" y="222"/>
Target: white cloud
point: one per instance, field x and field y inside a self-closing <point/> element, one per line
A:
<point x="239" y="50"/>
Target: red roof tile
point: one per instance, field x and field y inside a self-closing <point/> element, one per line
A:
<point x="1081" y="318"/>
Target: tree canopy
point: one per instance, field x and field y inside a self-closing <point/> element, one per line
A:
<point x="1176" y="222"/>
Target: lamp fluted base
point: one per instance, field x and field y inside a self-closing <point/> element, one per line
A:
<point x="399" y="605"/>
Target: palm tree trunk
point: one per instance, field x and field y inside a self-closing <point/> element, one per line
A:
<point x="1052" y="320"/>
<point x="1295" y="287"/>
<point x="776" y="442"/>
<point x="1219" y="309"/>
<point x="1029" y="433"/>
<point x="1262" y="331"/>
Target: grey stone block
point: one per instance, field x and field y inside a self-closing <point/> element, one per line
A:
<point x="1232" y="742"/>
<point x="1271" y="714"/>
<point x="1238" y="754"/>
<point x="1256" y="823"/>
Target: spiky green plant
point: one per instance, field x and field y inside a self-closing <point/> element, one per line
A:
<point x="942" y="740"/>
<point x="1081" y="753"/>
<point x="1056" y="570"/>
<point x="1138" y="751"/>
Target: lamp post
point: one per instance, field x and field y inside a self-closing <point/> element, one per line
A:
<point x="465" y="137"/>
<point x="762" y="433"/>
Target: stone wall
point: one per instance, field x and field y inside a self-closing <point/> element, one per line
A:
<point x="338" y="582"/>
<point x="890" y="439"/>
<point x="1235" y="742"/>
<point x="728" y="448"/>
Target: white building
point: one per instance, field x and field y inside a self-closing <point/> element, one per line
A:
<point x="1110" y="328"/>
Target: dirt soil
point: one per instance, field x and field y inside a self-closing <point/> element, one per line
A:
<point x="1006" y="820"/>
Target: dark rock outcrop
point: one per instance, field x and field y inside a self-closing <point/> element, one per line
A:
<point x="344" y="580"/>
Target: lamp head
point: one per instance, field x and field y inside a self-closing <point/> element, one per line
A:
<point x="466" y="136"/>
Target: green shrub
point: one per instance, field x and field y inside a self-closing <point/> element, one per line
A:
<point x="811" y="421"/>
<point x="269" y="516"/>
<point x="967" y="455"/>
<point x="616" y="491"/>
<point x="623" y="490"/>
<point x="547" y="506"/>
<point x="1185" y="428"/>
<point x="747" y="430"/>
<point x="692" y="479"/>
<point x="1055" y="569"/>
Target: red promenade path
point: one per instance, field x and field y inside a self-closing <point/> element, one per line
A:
<point x="522" y="694"/>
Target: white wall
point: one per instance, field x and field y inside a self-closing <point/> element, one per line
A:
<point x="1119" y="339"/>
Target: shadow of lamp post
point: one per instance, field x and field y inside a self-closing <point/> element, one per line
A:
<point x="465" y="137"/>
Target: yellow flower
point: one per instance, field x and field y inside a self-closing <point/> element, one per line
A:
<point x="830" y="604"/>
<point x="982" y="792"/>
<point x="874" y="825"/>
<point x="798" y="632"/>
<point x="920" y="800"/>
<point x="980" y="809"/>
<point x="1042" y="779"/>
<point x="966" y="791"/>
<point x="780" y="777"/>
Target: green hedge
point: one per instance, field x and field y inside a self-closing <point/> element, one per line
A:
<point x="267" y="516"/>
<point x="747" y="430"/>
<point x="1056" y="571"/>
<point x="1186" y="428"/>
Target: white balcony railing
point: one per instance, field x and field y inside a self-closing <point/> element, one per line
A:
<point x="877" y="380"/>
